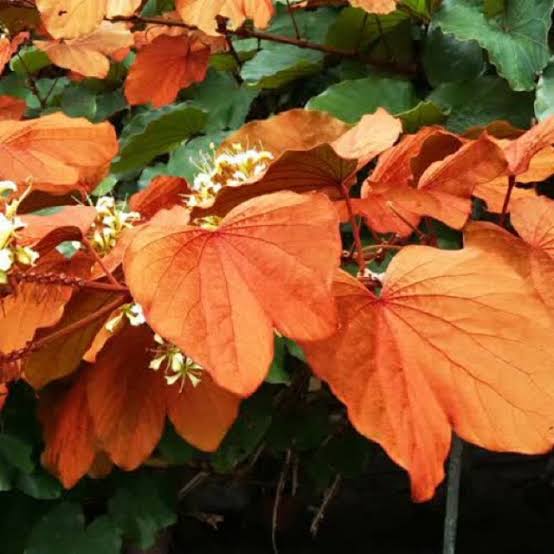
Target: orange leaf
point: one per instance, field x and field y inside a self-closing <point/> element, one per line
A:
<point x="521" y="150"/>
<point x="45" y="232"/>
<point x="54" y="150"/>
<point x="455" y="341"/>
<point x="71" y="18"/>
<point x="313" y="151"/>
<point x="443" y="191"/>
<point x="375" y="6"/>
<point x="88" y="54"/>
<point x="9" y="47"/>
<point x="162" y="193"/>
<point x="202" y="415"/>
<point x="164" y="67"/>
<point x="62" y="357"/>
<point x="70" y="444"/>
<point x="12" y="108"/>
<point x="203" y="13"/>
<point x="34" y="306"/>
<point x="3" y="395"/>
<point x="218" y="294"/>
<point x="115" y="8"/>
<point x="126" y="398"/>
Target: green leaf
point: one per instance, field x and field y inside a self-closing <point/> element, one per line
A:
<point x="141" y="509"/>
<point x="354" y="28"/>
<point x="108" y="104"/>
<point x="425" y="113"/>
<point x="544" y="99"/>
<point x="62" y="530"/>
<point x="350" y="100"/>
<point x="493" y="8"/>
<point x="226" y="103"/>
<point x="19" y="515"/>
<point x="78" y="101"/>
<point x="517" y="41"/>
<point x="279" y="64"/>
<point x="312" y="25"/>
<point x="6" y="475"/>
<point x="481" y="101"/>
<point x="29" y="60"/>
<point x="16" y="452"/>
<point x="174" y="449"/>
<point x="184" y="161"/>
<point x="105" y="186"/>
<point x="246" y="434"/>
<point x="278" y="374"/>
<point x="157" y="132"/>
<point x="40" y="485"/>
<point x="447" y="59"/>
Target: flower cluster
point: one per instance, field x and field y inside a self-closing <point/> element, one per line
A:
<point x="176" y="365"/>
<point x="231" y="168"/>
<point x="112" y="219"/>
<point x="133" y="313"/>
<point x="10" y="223"/>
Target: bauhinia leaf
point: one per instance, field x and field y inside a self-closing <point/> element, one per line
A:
<point x="268" y="265"/>
<point x="129" y="418"/>
<point x="54" y="150"/>
<point x="203" y="13"/>
<point x="88" y="54"/>
<point x="456" y="341"/>
<point x="164" y="67"/>
<point x="70" y="443"/>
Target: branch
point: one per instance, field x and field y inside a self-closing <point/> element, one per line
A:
<point x="68" y="281"/>
<point x="33" y="346"/>
<point x="244" y="32"/>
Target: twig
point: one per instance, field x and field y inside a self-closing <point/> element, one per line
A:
<point x="453" y="496"/>
<point x="277" y="503"/>
<point x="330" y="493"/>
<point x="293" y="19"/>
<point x="31" y="82"/>
<point x="244" y="32"/>
<point x="196" y="481"/>
<point x="360" y="259"/>
<point x="100" y="262"/>
<point x="511" y="185"/>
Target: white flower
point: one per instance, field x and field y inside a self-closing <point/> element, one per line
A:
<point x="6" y="259"/>
<point x="7" y="186"/>
<point x="135" y="315"/>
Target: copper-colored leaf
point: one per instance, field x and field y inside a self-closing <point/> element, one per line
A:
<point x="203" y="13"/>
<point x="381" y="7"/>
<point x="456" y="340"/>
<point x="55" y="150"/>
<point x="88" y="54"/>
<point x="115" y="8"/>
<point x="126" y="398"/>
<point x="34" y="305"/>
<point x="443" y="191"/>
<point x="218" y="294"/>
<point x="12" y="108"/>
<point x="70" y="444"/>
<point x="164" y="67"/>
<point x="62" y="357"/>
<point x="202" y="414"/>
<point x="45" y="232"/>
<point x="71" y="18"/>
<point x="162" y="193"/>
<point x="313" y="152"/>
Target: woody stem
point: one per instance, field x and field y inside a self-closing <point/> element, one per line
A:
<point x="100" y="262"/>
<point x="507" y="198"/>
<point x="360" y="258"/>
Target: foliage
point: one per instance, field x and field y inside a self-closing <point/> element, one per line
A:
<point x="238" y="231"/>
